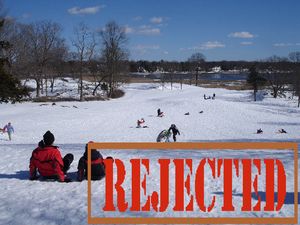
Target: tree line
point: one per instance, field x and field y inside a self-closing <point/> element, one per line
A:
<point x="38" y="51"/>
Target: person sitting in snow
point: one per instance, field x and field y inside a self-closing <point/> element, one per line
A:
<point x="259" y="131"/>
<point x="140" y="122"/>
<point x="9" y="129"/>
<point x="97" y="165"/>
<point x="214" y="96"/>
<point x="47" y="161"/>
<point x="174" y="130"/>
<point x="160" y="113"/>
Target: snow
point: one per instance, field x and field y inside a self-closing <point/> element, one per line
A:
<point x="65" y="88"/>
<point x="232" y="116"/>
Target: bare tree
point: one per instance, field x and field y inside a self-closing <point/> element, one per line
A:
<point x="57" y="64"/>
<point x="114" y="54"/>
<point x="277" y="74"/>
<point x="277" y="81"/>
<point x="39" y="43"/>
<point x="196" y="59"/>
<point x="296" y="83"/>
<point x="85" y="45"/>
<point x="297" y="89"/>
<point x="97" y="69"/>
<point x="294" y="57"/>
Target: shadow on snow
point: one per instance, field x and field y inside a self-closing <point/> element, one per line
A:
<point x="289" y="198"/>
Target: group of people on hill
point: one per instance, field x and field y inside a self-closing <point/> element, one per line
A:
<point x="9" y="129"/>
<point x="46" y="161"/>
<point x="209" y="97"/>
<point x="165" y="133"/>
<point x="281" y="131"/>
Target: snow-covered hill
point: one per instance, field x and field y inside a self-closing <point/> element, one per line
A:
<point x="232" y="116"/>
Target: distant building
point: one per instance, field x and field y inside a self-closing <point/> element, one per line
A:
<point x="216" y="69"/>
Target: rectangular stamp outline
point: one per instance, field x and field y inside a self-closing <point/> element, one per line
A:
<point x="194" y="146"/>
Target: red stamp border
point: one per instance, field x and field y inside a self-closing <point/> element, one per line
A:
<point x="195" y="146"/>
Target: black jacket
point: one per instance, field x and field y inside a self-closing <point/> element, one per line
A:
<point x="174" y="130"/>
<point x="97" y="166"/>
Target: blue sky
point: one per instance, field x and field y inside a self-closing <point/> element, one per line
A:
<point x="175" y="29"/>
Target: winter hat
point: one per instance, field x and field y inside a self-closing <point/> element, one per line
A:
<point x="86" y="146"/>
<point x="48" y="138"/>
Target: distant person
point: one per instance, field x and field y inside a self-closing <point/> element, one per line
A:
<point x="97" y="165"/>
<point x="282" y="131"/>
<point x="214" y="96"/>
<point x="160" y="113"/>
<point x="174" y="130"/>
<point x="9" y="129"/>
<point x="140" y="122"/>
<point x="259" y="131"/>
<point x="47" y="161"/>
<point x="204" y="96"/>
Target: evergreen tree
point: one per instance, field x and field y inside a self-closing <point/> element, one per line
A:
<point x="255" y="80"/>
<point x="10" y="87"/>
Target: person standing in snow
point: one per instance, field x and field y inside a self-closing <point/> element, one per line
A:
<point x="174" y="130"/>
<point x="46" y="159"/>
<point x="9" y="129"/>
<point x="97" y="165"/>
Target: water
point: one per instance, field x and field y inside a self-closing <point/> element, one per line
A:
<point x="202" y="76"/>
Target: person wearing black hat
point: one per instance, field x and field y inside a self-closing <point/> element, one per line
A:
<point x="97" y="165"/>
<point x="47" y="161"/>
<point x="174" y="130"/>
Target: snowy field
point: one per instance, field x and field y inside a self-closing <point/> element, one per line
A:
<point x="232" y="116"/>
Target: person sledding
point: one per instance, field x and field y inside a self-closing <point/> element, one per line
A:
<point x="140" y="123"/>
<point x="259" y="131"/>
<point x="160" y="113"/>
<point x="174" y="130"/>
<point x="47" y="161"/>
<point x="97" y="165"/>
<point x="282" y="131"/>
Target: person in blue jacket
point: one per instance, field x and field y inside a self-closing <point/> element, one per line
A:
<point x="9" y="129"/>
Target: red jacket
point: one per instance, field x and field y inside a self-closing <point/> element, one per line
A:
<point x="47" y="161"/>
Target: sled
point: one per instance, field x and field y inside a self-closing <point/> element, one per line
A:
<point x="163" y="136"/>
<point x="142" y="127"/>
